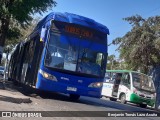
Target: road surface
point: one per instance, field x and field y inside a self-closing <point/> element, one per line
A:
<point x="60" y="102"/>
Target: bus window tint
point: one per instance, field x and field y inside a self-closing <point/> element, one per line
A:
<point x="142" y="81"/>
<point x="136" y="80"/>
<point x="118" y="78"/>
<point x="113" y="77"/>
<point x="126" y="80"/>
<point x="60" y="52"/>
<point x="63" y="52"/>
<point x="90" y="62"/>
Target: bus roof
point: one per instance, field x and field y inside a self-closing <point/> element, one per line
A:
<point x="74" y="19"/>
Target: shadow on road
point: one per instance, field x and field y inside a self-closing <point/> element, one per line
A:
<point x="2" y="85"/>
<point x="14" y="100"/>
<point x="32" y="92"/>
<point x="7" y="96"/>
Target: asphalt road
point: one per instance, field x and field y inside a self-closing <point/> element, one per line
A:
<point x="45" y="101"/>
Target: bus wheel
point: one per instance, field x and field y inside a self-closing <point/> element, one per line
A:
<point x="112" y="99"/>
<point x="74" y="97"/>
<point x="143" y="105"/>
<point x="123" y="98"/>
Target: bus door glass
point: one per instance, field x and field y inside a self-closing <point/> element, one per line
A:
<point x="117" y="80"/>
<point x="108" y="85"/>
<point x="126" y="81"/>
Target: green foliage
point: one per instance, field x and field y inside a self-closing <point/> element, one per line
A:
<point x="15" y="14"/>
<point x="113" y="63"/>
<point x="140" y="47"/>
<point x="21" y="10"/>
<point x="18" y="34"/>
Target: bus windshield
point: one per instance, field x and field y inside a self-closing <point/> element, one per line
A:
<point x="143" y="82"/>
<point x="66" y="53"/>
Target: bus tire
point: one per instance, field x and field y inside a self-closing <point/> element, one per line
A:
<point x="74" y="97"/>
<point x="122" y="98"/>
<point x="112" y="99"/>
<point x="143" y="105"/>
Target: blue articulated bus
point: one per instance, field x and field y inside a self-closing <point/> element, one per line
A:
<point x="65" y="53"/>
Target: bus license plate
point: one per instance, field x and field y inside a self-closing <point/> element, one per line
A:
<point x="72" y="89"/>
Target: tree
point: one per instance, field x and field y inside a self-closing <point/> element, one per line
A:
<point x="19" y="12"/>
<point x="113" y="63"/>
<point x="140" y="47"/>
<point x="22" y="33"/>
<point x="110" y="59"/>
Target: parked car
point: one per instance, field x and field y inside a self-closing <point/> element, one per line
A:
<point x="1" y="72"/>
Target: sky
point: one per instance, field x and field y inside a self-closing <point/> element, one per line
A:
<point x="110" y="13"/>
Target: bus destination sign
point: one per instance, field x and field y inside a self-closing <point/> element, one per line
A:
<point x="78" y="31"/>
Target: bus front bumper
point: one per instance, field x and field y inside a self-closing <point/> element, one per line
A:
<point x="134" y="98"/>
<point x="48" y="85"/>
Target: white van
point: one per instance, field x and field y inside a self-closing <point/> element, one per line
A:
<point x="129" y="86"/>
<point x="1" y="72"/>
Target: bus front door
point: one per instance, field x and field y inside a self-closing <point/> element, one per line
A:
<point x="116" y="84"/>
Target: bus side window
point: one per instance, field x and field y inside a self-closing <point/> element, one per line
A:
<point x="126" y="80"/>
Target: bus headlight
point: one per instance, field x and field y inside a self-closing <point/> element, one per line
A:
<point x="47" y="75"/>
<point x="96" y="84"/>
